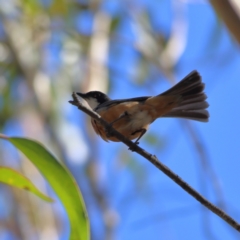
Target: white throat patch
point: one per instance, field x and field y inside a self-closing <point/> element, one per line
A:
<point x="92" y="102"/>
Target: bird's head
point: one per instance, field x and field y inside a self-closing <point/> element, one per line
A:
<point x="94" y="98"/>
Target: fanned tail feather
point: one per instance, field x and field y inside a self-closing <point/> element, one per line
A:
<point x="192" y="104"/>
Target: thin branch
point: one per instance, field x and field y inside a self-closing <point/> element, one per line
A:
<point x="229" y="16"/>
<point x="153" y="159"/>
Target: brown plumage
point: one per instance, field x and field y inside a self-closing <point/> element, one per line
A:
<point x="132" y="117"/>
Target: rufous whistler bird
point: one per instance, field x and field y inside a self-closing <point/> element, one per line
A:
<point x="132" y="116"/>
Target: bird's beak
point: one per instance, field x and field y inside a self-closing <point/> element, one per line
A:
<point x="82" y="95"/>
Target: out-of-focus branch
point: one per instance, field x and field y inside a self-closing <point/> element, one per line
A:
<point x="206" y="167"/>
<point x="153" y="159"/>
<point x="205" y="162"/>
<point x="21" y="48"/>
<point x="229" y="15"/>
<point x="98" y="53"/>
<point x="97" y="79"/>
<point x="164" y="55"/>
<point x="176" y="44"/>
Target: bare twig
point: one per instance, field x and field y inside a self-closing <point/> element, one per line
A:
<point x="153" y="159"/>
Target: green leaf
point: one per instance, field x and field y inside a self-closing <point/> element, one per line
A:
<point x="16" y="179"/>
<point x="61" y="181"/>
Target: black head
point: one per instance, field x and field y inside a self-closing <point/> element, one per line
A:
<point x="94" y="98"/>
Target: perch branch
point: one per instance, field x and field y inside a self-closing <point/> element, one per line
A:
<point x="153" y="159"/>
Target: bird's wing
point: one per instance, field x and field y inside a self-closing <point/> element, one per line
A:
<point x="112" y="103"/>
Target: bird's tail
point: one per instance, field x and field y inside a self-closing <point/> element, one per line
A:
<point x="192" y="102"/>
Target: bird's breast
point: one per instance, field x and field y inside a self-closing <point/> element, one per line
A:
<point x="128" y="118"/>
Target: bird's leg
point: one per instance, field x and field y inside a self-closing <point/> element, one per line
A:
<point x="125" y="114"/>
<point x="142" y="131"/>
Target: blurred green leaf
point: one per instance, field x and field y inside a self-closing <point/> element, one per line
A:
<point x="16" y="179"/>
<point x="31" y="7"/>
<point x="154" y="140"/>
<point x="61" y="181"/>
<point x="59" y="7"/>
<point x="114" y="24"/>
<point x="142" y="71"/>
<point x="136" y="168"/>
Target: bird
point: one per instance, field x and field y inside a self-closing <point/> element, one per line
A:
<point x="132" y="116"/>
